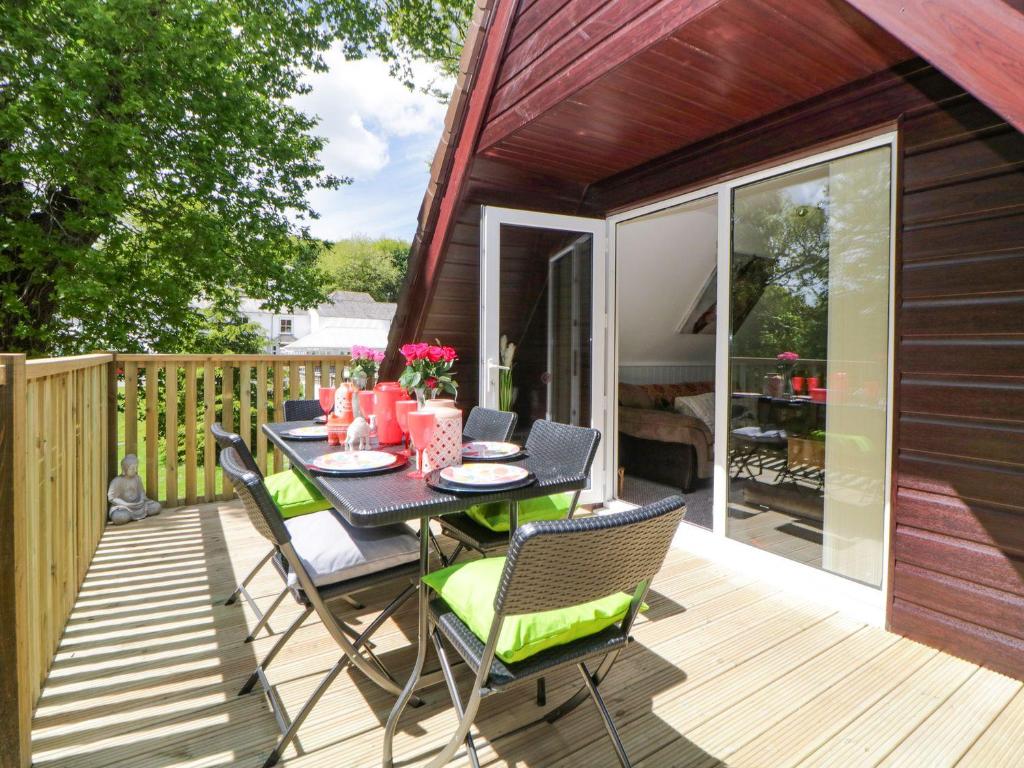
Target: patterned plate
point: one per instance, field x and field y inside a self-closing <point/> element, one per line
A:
<point x="478" y="475"/>
<point x="306" y="433"/>
<point x="486" y="450"/>
<point x="354" y="461"/>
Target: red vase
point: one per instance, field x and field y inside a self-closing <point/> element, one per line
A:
<point x="388" y="393"/>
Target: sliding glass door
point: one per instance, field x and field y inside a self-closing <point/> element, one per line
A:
<point x="808" y="364"/>
<point x="789" y="270"/>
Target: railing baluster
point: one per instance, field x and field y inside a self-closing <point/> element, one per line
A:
<point x="191" y="492"/>
<point x="209" y="417"/>
<point x="278" y="407"/>
<point x="171" y="433"/>
<point x="261" y="415"/>
<point x="131" y="416"/>
<point x="152" y="429"/>
<point x="227" y="415"/>
<point x="244" y="405"/>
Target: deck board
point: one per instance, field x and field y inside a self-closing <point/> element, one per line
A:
<point x="725" y="670"/>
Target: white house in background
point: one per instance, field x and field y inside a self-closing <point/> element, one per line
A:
<point x="345" y="319"/>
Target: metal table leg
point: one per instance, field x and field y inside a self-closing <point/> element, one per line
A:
<point x="421" y="649"/>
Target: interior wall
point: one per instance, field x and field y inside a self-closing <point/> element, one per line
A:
<point x="663" y="262"/>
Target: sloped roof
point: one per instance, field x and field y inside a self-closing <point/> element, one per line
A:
<point x="356" y="305"/>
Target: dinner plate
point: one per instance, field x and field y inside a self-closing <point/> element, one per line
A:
<point x="353" y="462"/>
<point x="483" y="475"/>
<point x="486" y="450"/>
<point x="438" y="483"/>
<point x="305" y="433"/>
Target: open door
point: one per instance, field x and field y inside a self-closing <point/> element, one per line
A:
<point x="542" y="287"/>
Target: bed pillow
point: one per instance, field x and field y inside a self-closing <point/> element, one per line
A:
<point x="698" y="406"/>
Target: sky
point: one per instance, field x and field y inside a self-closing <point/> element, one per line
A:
<point x="380" y="134"/>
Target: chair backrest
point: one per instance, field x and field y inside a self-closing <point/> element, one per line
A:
<point x="260" y="508"/>
<point x="560" y="563"/>
<point x="489" y="424"/>
<point x="302" y="410"/>
<point x="561" y="449"/>
<point x="227" y="439"/>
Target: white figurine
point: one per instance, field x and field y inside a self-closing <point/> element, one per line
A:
<point x="358" y="435"/>
<point x="126" y="495"/>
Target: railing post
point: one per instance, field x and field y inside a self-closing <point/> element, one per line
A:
<point x="112" y="419"/>
<point x="15" y="698"/>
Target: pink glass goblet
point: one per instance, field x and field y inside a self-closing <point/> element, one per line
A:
<point x="421" y="429"/>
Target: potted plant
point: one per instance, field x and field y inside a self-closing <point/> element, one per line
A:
<point x="428" y="370"/>
<point x="507" y="393"/>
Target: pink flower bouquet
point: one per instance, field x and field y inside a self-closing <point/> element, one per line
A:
<point x="365" y="363"/>
<point x="428" y="368"/>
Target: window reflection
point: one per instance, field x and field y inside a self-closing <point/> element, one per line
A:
<point x="809" y="309"/>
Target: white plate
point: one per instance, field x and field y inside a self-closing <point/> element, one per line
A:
<point x="354" y="461"/>
<point x="483" y="474"/>
<point x="483" y="449"/>
<point x="307" y="432"/>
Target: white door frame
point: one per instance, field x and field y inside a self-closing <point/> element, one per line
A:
<point x="574" y="406"/>
<point x="491" y="220"/>
<point x="865" y="602"/>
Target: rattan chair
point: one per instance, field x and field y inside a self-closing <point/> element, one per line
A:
<point x="551" y="443"/>
<point x="226" y="440"/>
<point x="553" y="565"/>
<point x="489" y="424"/>
<point x="302" y="410"/>
<point x="267" y="521"/>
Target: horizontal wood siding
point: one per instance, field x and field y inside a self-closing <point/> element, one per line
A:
<point x="958" y="571"/>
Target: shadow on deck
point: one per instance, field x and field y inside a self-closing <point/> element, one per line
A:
<point x="724" y="671"/>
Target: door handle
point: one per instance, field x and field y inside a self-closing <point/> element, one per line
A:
<point x="491" y="367"/>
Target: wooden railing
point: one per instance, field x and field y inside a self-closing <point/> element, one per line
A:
<point x="65" y="424"/>
<point x="55" y="462"/>
<point x="170" y="402"/>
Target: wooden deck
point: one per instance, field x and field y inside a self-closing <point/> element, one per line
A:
<point x="726" y="671"/>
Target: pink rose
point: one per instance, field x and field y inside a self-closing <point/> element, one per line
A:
<point x="788" y="357"/>
<point x="448" y="354"/>
<point x="377" y="356"/>
<point x="435" y="354"/>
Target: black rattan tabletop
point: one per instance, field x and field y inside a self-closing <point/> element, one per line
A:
<point x="393" y="497"/>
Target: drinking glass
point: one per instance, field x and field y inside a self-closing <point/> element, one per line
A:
<point x="402" y="410"/>
<point x="327" y="400"/>
<point x="421" y="430"/>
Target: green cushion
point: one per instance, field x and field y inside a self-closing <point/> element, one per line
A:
<point x="495" y="514"/>
<point x="469" y="590"/>
<point x="294" y="494"/>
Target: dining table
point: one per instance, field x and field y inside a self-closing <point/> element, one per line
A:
<point x="389" y="497"/>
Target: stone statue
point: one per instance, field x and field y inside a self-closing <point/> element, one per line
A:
<point x="126" y="495"/>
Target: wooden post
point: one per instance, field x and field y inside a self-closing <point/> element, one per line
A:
<point x="209" y="417"/>
<point x="112" y="419"/>
<point x="15" y="698"/>
<point x="171" y="433"/>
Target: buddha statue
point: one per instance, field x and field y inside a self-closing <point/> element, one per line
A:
<point x="126" y="495"/>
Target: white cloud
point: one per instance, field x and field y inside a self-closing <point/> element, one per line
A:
<point x="362" y="109"/>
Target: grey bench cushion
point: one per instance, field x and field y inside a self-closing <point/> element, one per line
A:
<point x="334" y="551"/>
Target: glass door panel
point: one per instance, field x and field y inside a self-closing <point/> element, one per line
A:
<point x="539" y="301"/>
<point x="808" y="364"/>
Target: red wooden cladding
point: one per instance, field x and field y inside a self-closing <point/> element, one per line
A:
<point x="985" y="646"/>
<point x="968" y="561"/>
<point x="963" y="397"/>
<point x="978" y="481"/>
<point x="971" y="274"/>
<point x="979" y="44"/>
<point x="722" y="65"/>
<point x="983" y="606"/>
<point x="966" y="355"/>
<point x="963" y="518"/>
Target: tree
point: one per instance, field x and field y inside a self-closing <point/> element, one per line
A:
<point x="149" y="157"/>
<point x="376" y="267"/>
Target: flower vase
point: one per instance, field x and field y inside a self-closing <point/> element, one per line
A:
<point x="420" y="394"/>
